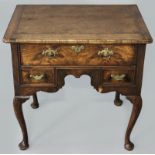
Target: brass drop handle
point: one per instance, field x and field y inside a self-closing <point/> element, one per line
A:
<point x="37" y="77"/>
<point x="106" y="53"/>
<point x="77" y="48"/>
<point x="50" y="52"/>
<point x="118" y="77"/>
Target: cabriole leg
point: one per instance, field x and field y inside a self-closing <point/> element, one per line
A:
<point x="137" y="105"/>
<point x="118" y="101"/>
<point x="17" y="103"/>
<point x="35" y="103"/>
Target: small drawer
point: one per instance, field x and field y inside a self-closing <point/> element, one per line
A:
<point x="119" y="76"/>
<point x="37" y="76"/>
<point x="81" y="55"/>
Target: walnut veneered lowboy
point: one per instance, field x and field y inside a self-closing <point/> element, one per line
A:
<point x="49" y="42"/>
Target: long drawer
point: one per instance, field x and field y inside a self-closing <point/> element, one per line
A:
<point x="81" y="55"/>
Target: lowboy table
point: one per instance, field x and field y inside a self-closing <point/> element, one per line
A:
<point x="49" y="42"/>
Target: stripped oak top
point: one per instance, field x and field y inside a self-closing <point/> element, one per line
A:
<point x="94" y="24"/>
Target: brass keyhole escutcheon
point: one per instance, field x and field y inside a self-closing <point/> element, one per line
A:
<point x="77" y="48"/>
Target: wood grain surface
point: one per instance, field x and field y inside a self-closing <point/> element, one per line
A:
<point x="31" y="54"/>
<point x="77" y="24"/>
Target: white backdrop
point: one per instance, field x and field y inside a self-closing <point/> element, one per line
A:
<point x="76" y="119"/>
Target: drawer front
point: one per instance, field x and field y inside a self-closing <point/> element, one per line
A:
<point x="37" y="76"/>
<point x="119" y="76"/>
<point x="57" y="55"/>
